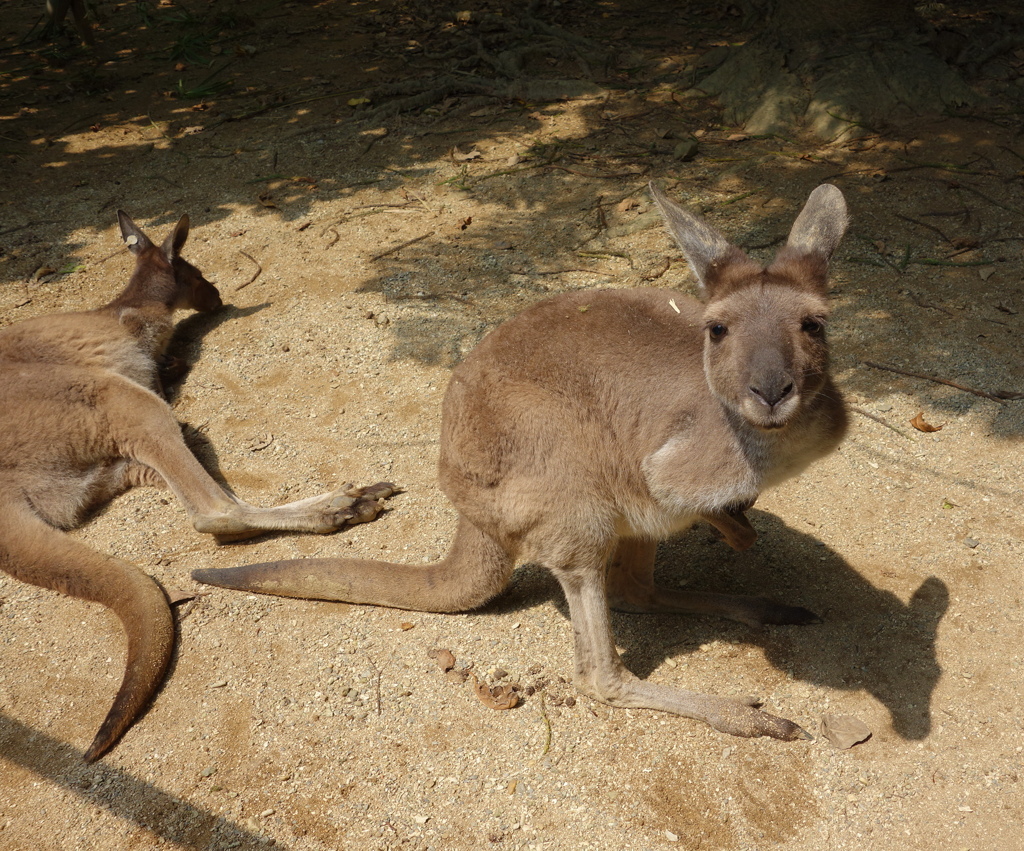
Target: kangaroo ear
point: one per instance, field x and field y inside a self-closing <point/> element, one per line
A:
<point x="821" y="224"/>
<point x="132" y="234"/>
<point x="176" y="239"/>
<point x="705" y="248"/>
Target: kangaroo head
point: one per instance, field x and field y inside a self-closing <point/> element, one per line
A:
<point x="765" y="352"/>
<point x="163" y="274"/>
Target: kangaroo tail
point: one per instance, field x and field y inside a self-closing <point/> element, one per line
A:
<point x="476" y="568"/>
<point x="34" y="552"/>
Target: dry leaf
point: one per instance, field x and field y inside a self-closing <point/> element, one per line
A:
<point x="176" y="595"/>
<point x="626" y="204"/>
<point x="443" y="657"/>
<point x="466" y="222"/>
<point x="499" y="697"/>
<point x="457" y="675"/>
<point x="267" y="201"/>
<point x="1008" y="394"/>
<point x="919" y="423"/>
<point x="460" y="157"/>
<point x="844" y="731"/>
<point x="405" y="625"/>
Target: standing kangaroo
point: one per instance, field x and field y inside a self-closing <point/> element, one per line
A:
<point x="82" y="420"/>
<point x="580" y="433"/>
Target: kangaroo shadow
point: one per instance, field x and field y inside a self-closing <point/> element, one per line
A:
<point x="120" y="793"/>
<point x="184" y="349"/>
<point x="869" y="639"/>
<point x="186" y="344"/>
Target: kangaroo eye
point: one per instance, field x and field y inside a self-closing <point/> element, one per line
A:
<point x="811" y="326"/>
<point x="717" y="331"/>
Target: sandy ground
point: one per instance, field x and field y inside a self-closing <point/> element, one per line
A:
<point x="362" y="257"/>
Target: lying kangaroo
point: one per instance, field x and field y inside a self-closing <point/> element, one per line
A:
<point x="81" y="421"/>
<point x="583" y="431"/>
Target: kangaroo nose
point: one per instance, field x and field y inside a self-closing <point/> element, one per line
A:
<point x="773" y="392"/>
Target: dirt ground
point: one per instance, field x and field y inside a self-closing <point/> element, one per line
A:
<point x="363" y="250"/>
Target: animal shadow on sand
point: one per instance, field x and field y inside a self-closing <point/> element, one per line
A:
<point x="34" y="755"/>
<point x="868" y="640"/>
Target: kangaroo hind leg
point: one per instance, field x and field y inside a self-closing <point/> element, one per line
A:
<point x="631" y="588"/>
<point x="144" y="430"/>
<point x="601" y="673"/>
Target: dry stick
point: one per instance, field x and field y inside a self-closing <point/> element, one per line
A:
<point x="400" y="246"/>
<point x="921" y="303"/>
<point x="112" y="254"/>
<point x="594" y="176"/>
<point x="880" y="421"/>
<point x="547" y="725"/>
<point x="255" y="275"/>
<point x="945" y="381"/>
<point x="925" y="225"/>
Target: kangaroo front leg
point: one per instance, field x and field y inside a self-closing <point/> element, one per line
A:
<point x="631" y="588"/>
<point x="144" y="429"/>
<point x="600" y="672"/>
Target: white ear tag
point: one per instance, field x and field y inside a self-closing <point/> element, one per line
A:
<point x="131" y="240"/>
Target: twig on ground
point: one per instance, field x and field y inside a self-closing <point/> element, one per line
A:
<point x="255" y="275"/>
<point x="880" y="421"/>
<point x="401" y="245"/>
<point x="925" y="225"/>
<point x="983" y="393"/>
<point x="547" y="725"/>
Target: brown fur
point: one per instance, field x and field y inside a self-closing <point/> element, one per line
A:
<point x="82" y="420"/>
<point x="594" y="424"/>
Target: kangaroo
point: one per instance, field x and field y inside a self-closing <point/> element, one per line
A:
<point x="57" y="10"/>
<point x="591" y="426"/>
<point x="82" y="420"/>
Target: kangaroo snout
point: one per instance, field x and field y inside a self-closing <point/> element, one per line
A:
<point x="773" y="391"/>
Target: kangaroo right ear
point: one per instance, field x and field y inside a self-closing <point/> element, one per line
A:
<point x="132" y="234"/>
<point x="704" y="247"/>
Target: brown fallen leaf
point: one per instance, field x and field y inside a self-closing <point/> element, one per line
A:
<point x="177" y="595"/>
<point x="267" y="201"/>
<point x="443" y="657"/>
<point x="844" y="731"/>
<point x="460" y="157"/>
<point x="919" y="423"/>
<point x="457" y="675"/>
<point x="626" y="204"/>
<point x="1008" y="394"/>
<point x="406" y="625"/>
<point x="499" y="697"/>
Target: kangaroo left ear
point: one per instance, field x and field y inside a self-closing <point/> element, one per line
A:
<point x="821" y="224"/>
<point x="176" y="239"/>
<point x="132" y="234"/>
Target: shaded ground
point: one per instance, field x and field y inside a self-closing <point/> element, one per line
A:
<point x="363" y="254"/>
